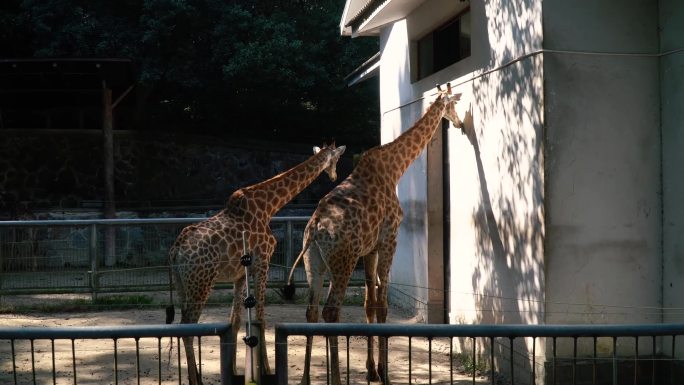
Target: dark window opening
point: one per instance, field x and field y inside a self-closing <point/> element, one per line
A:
<point x="444" y="46"/>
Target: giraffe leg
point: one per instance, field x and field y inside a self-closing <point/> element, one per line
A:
<point x="339" y="279"/>
<point x="384" y="263"/>
<point x="260" y="277"/>
<point x="331" y="313"/>
<point x="370" y="263"/>
<point x="314" y="277"/>
<point x="191" y="315"/>
<point x="191" y="304"/>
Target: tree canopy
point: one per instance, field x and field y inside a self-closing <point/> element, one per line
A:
<point x="256" y="69"/>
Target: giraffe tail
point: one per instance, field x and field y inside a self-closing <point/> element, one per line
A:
<point x="288" y="291"/>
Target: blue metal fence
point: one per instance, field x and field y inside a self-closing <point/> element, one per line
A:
<point x="635" y="354"/>
<point x="658" y="365"/>
<point x="23" y="343"/>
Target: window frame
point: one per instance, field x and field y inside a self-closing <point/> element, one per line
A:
<point x="418" y="74"/>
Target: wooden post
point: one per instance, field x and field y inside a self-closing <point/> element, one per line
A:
<point x="94" y="276"/>
<point x="108" y="152"/>
<point x="435" y="236"/>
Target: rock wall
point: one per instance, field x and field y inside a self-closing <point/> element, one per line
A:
<point x="62" y="171"/>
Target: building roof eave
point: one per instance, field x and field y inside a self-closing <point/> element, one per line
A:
<point x="370" y="68"/>
<point x="366" y="17"/>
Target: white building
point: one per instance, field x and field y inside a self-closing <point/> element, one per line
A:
<point x="565" y="206"/>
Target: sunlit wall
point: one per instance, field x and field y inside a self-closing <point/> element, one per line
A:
<point x="496" y="175"/>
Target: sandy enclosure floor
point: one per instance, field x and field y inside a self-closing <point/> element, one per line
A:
<point x="94" y="360"/>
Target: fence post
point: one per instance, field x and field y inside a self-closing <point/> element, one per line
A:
<point x="94" y="276"/>
<point x="253" y="366"/>
<point x="288" y="248"/>
<point x="2" y="242"/>
<point x="281" y="356"/>
<point x="227" y="349"/>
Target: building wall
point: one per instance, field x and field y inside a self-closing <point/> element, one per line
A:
<point x="603" y="205"/>
<point x="409" y="269"/>
<point x="417" y="272"/>
<point x="564" y="194"/>
<point x="672" y="96"/>
<point x="496" y="178"/>
<point x="497" y="217"/>
<point x="496" y="267"/>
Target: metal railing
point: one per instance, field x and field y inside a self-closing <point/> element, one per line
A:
<point x="65" y="256"/>
<point x="133" y="354"/>
<point x="434" y="353"/>
<point x="508" y="352"/>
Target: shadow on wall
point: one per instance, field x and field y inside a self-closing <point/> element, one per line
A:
<point x="511" y="267"/>
<point x="508" y="274"/>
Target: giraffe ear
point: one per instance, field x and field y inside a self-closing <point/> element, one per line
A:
<point x="455" y="97"/>
<point x="340" y="150"/>
<point x="316" y="149"/>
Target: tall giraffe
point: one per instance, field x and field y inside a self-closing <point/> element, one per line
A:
<point x="360" y="218"/>
<point x="210" y="251"/>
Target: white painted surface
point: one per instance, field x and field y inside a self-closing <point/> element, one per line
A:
<point x="558" y="210"/>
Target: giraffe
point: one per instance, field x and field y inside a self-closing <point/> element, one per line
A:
<point x="210" y="251"/>
<point x="360" y="218"/>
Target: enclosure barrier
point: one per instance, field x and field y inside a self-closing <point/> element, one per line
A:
<point x="659" y="365"/>
<point x="655" y="362"/>
<point x="121" y="369"/>
<point x="66" y="256"/>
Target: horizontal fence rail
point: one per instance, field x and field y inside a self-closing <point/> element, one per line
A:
<point x="510" y="352"/>
<point x="639" y="354"/>
<point x="124" y="354"/>
<point x="114" y="255"/>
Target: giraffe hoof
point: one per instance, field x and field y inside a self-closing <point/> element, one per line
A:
<point x="372" y="376"/>
<point x="289" y="291"/>
<point x="384" y="379"/>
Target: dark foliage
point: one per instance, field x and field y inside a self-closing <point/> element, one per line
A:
<point x="257" y="69"/>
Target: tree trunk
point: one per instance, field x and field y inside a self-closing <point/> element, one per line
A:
<point x="108" y="152"/>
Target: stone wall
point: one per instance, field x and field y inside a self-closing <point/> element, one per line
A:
<point x="61" y="171"/>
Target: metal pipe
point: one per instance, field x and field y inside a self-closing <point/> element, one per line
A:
<point x="94" y="275"/>
<point x="510" y="331"/>
<point x="111" y="332"/>
<point x="281" y="356"/>
<point x="123" y="221"/>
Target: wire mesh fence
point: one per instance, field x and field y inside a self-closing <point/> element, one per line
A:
<point x="112" y="255"/>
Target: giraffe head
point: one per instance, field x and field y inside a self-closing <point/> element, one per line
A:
<point x="332" y="155"/>
<point x="450" y="108"/>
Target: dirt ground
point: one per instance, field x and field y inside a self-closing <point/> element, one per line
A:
<point x="94" y="360"/>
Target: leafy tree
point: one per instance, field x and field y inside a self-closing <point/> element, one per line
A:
<point x="260" y="69"/>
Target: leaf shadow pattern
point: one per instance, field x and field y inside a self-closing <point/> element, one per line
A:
<point x="508" y="273"/>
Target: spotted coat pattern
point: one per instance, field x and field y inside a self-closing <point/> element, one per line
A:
<point x="361" y="218"/>
<point x="210" y="251"/>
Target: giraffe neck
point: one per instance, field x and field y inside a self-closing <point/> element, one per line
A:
<point x="402" y="151"/>
<point x="272" y="194"/>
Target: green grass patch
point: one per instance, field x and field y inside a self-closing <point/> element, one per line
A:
<point x="469" y="365"/>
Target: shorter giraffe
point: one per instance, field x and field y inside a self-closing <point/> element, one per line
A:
<point x="360" y="218"/>
<point x="210" y="251"/>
